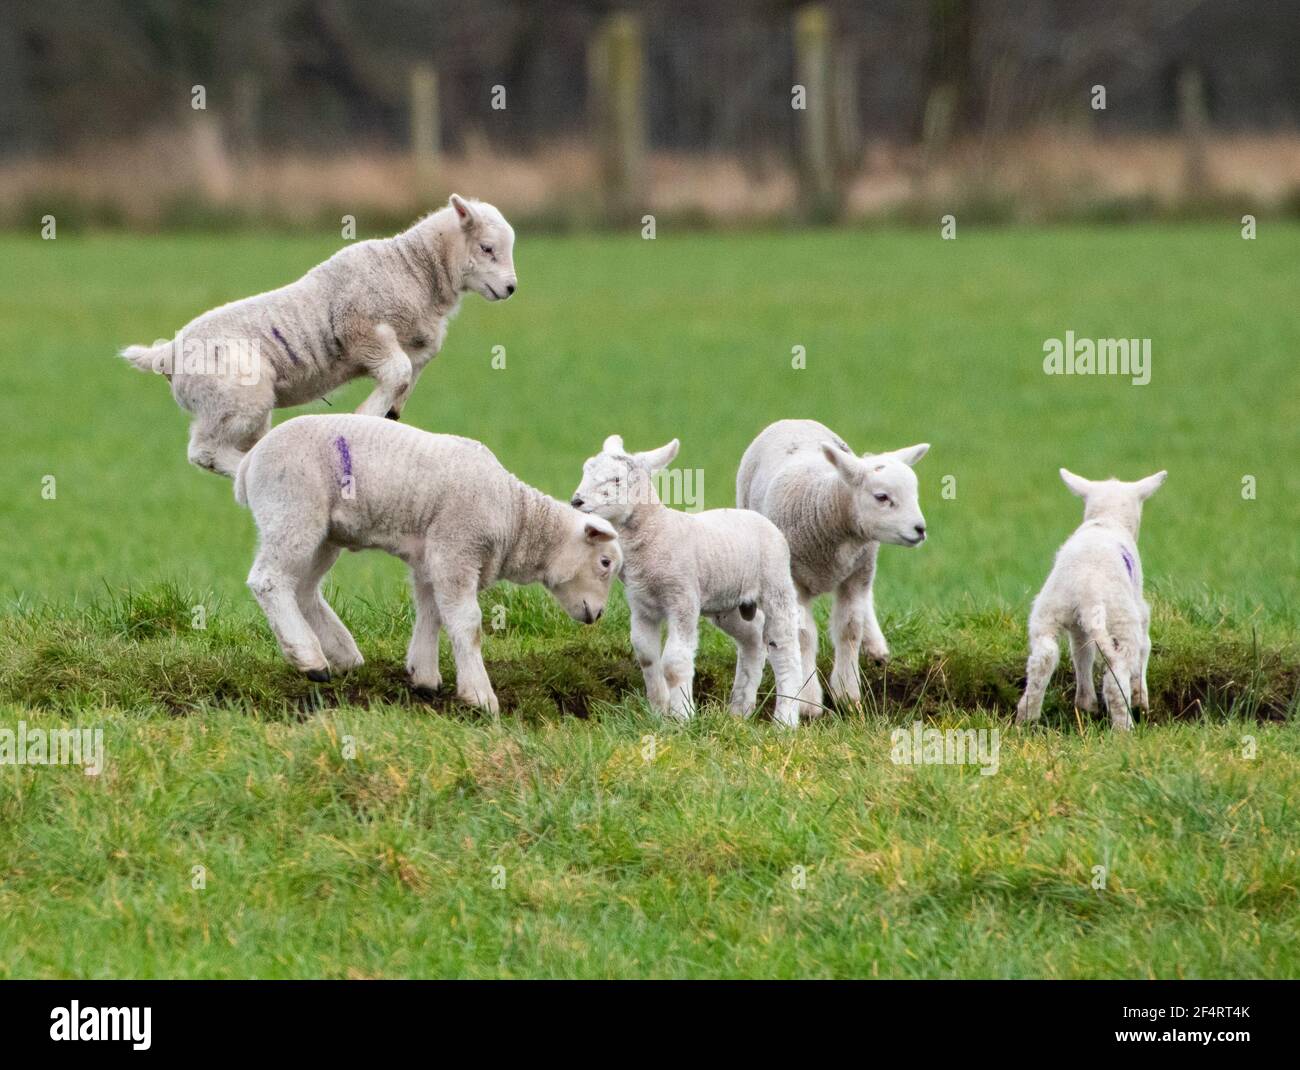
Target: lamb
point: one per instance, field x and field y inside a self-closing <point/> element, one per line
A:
<point x="835" y="509"/>
<point x="317" y="485"/>
<point x="375" y="308"/>
<point x="1094" y="592"/>
<point x="730" y="565"/>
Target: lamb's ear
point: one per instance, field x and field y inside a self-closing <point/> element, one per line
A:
<point x="660" y="458"/>
<point x="909" y="455"/>
<point x="1077" y="484"/>
<point x="851" y="470"/>
<point x="613" y="444"/>
<point x="1147" y="487"/>
<point x="467" y="216"/>
<point x="598" y="529"/>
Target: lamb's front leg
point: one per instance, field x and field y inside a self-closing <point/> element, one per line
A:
<point x="457" y="603"/>
<point x="848" y="621"/>
<point x="679" y="658"/>
<point x="646" y="644"/>
<point x="388" y="365"/>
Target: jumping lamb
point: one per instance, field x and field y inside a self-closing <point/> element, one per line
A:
<point x="317" y="485"/>
<point x="1094" y="592"/>
<point x="376" y="308"/>
<point x="730" y="565"/>
<point x="835" y="509"/>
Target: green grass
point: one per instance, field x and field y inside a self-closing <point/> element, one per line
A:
<point x="221" y="756"/>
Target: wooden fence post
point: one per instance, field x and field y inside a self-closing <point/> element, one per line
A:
<point x="616" y="73"/>
<point x="818" y="173"/>
<point x="426" y="137"/>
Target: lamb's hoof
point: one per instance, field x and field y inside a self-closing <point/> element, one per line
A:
<point x="318" y="676"/>
<point x="392" y="414"/>
<point x="427" y="694"/>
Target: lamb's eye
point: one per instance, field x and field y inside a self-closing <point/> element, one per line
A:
<point x="605" y="562"/>
<point x="486" y="248"/>
<point x="882" y="497"/>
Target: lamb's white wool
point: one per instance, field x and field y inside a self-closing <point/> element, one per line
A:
<point x="1094" y="592"/>
<point x="320" y="484"/>
<point x="835" y="509"/>
<point x="376" y="308"/>
<point x="730" y="565"/>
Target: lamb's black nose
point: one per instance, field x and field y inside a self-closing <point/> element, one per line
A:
<point x="577" y="502"/>
<point x="920" y="530"/>
<point x="510" y="288"/>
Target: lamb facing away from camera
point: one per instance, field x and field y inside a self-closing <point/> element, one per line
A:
<point x="377" y="308"/>
<point x="318" y="485"/>
<point x="834" y="509"/>
<point x="1094" y="592"/>
<point x="730" y="565"/>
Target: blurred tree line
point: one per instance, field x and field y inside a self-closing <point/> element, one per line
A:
<point x="314" y="74"/>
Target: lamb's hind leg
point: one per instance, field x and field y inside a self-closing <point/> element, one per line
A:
<point x="1044" y="653"/>
<point x="781" y="636"/>
<point x="748" y="636"/>
<point x="810" y="691"/>
<point x="277" y="574"/>
<point x="1082" y="653"/>
<point x="422" y="653"/>
<point x="387" y="363"/>
<point x="227" y="424"/>
<point x="336" y="641"/>
<point x="1122" y="662"/>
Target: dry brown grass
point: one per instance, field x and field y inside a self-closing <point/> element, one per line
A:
<point x="189" y="178"/>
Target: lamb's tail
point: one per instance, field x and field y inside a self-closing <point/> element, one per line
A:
<point x="149" y="358"/>
<point x="241" y="491"/>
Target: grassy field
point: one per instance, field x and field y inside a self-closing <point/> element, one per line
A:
<point x="629" y="847"/>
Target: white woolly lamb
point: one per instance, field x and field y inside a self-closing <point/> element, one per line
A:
<point x="320" y="484"/>
<point x="834" y="509"/>
<point x="375" y="308"/>
<point x="730" y="565"/>
<point x="1094" y="592"/>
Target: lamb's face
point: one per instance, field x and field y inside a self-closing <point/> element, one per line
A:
<point x="582" y="571"/>
<point x="884" y="494"/>
<point x="1113" y="499"/>
<point x="487" y="250"/>
<point x="614" y="482"/>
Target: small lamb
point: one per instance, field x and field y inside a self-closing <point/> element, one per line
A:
<point x="835" y="509"/>
<point x="375" y="308"/>
<point x="1094" y="592"/>
<point x="730" y="565"/>
<point x="320" y="484"/>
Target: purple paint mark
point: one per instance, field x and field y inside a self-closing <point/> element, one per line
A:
<point x="1128" y="563"/>
<point x="287" y="348"/>
<point x="346" y="484"/>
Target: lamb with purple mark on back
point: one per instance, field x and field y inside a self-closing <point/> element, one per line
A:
<point x="376" y="309"/>
<point x="1094" y="593"/>
<point x="318" y="485"/>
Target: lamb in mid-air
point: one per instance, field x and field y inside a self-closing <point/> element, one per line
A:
<point x="376" y="308"/>
<point x="318" y="485"/>
<point x="1094" y="592"/>
<point x="730" y="565"/>
<point x="835" y="509"/>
